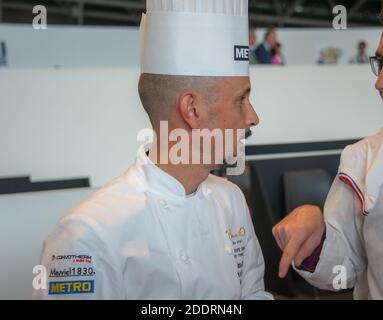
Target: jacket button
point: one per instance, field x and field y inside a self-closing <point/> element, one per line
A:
<point x="162" y="203"/>
<point x="184" y="257"/>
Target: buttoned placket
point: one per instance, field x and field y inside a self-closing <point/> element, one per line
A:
<point x="166" y="217"/>
<point x="168" y="199"/>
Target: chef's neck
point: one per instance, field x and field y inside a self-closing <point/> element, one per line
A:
<point x="189" y="175"/>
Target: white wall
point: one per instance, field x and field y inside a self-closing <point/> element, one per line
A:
<point x="314" y="103"/>
<point x="26" y="220"/>
<point x="84" y="46"/>
<point x="70" y="46"/>
<point x="58" y="124"/>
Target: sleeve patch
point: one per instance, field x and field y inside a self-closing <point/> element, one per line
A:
<point x="71" y="274"/>
<point x="71" y="287"/>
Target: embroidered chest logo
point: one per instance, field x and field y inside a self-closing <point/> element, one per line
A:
<point x="240" y="232"/>
<point x="237" y="240"/>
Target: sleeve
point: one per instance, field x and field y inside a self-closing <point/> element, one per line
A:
<point x="342" y="249"/>
<point x="311" y="262"/>
<point x="78" y="264"/>
<point x="253" y="270"/>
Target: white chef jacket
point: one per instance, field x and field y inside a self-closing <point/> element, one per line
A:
<point x="141" y="237"/>
<point x="354" y="223"/>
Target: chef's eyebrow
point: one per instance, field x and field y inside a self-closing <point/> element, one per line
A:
<point x="245" y="92"/>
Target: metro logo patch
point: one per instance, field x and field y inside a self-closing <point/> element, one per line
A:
<point x="71" y="287"/>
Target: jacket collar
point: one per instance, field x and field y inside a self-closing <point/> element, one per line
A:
<point x="160" y="182"/>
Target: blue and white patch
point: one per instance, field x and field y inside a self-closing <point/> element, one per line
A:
<point x="71" y="287"/>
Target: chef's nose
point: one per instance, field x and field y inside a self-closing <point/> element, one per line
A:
<point x="252" y="117"/>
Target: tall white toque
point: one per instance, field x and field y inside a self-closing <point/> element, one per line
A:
<point x="195" y="38"/>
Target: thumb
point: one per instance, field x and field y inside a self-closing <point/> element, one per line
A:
<point x="306" y="250"/>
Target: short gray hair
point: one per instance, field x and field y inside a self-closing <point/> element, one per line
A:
<point x="158" y="93"/>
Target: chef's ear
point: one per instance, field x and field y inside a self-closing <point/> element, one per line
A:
<point x="191" y="109"/>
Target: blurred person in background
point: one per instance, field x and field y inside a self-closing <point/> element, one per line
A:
<point x="361" y="57"/>
<point x="263" y="51"/>
<point x="252" y="45"/>
<point x="277" y="55"/>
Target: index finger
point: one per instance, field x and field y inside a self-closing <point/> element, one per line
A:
<point x="289" y="253"/>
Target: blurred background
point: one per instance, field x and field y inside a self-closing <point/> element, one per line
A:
<point x="70" y="114"/>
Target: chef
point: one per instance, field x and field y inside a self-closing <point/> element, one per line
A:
<point x="343" y="249"/>
<point x="165" y="230"/>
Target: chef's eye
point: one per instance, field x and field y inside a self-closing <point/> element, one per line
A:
<point x="243" y="100"/>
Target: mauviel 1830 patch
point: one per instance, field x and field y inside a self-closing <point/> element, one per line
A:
<point x="71" y="287"/>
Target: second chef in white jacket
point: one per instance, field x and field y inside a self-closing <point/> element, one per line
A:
<point x="344" y="247"/>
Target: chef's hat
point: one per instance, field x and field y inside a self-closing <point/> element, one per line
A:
<point x="195" y="38"/>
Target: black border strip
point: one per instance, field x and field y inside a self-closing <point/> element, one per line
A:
<point x="297" y="147"/>
<point x="23" y="184"/>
